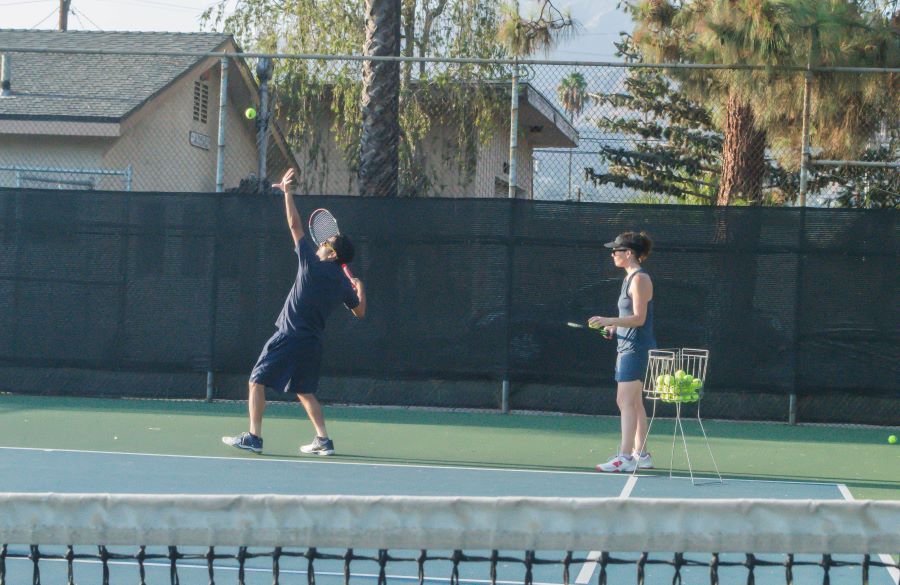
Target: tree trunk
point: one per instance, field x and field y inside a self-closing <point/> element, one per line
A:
<point x="743" y="155"/>
<point x="380" y="139"/>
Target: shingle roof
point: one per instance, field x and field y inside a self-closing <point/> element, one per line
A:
<point x="93" y="87"/>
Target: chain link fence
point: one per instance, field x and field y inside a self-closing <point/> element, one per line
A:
<point x="189" y="113"/>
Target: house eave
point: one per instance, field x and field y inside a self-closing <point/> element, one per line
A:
<point x="60" y="126"/>
<point x="555" y="130"/>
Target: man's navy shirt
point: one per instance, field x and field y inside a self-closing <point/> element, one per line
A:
<point x="318" y="290"/>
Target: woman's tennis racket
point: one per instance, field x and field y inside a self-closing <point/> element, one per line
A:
<point x="600" y="330"/>
<point x="322" y="226"/>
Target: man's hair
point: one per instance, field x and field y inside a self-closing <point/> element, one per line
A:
<point x="343" y="247"/>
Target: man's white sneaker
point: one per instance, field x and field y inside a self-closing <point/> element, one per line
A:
<point x="618" y="464"/>
<point x="323" y="447"/>
<point x="645" y="461"/>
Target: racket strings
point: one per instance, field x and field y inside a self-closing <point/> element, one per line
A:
<point x="322" y="226"/>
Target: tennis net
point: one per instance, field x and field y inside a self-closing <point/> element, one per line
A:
<point x="104" y="538"/>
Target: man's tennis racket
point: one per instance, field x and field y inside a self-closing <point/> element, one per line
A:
<point x="322" y="226"/>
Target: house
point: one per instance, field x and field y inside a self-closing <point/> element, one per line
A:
<point x="101" y="120"/>
<point x="106" y="119"/>
<point x="442" y="170"/>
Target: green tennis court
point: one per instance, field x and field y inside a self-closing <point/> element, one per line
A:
<point x="858" y="457"/>
<point x="91" y="446"/>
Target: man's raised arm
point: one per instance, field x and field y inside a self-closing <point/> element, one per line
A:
<point x="293" y="217"/>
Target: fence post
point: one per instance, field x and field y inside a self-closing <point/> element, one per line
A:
<point x="220" y="187"/>
<point x="513" y="181"/>
<point x="264" y="70"/>
<point x="805" y="154"/>
<point x="223" y="108"/>
<point x="514" y="133"/>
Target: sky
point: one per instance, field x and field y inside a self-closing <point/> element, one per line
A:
<point x="599" y="19"/>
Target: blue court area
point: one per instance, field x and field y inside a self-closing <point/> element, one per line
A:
<point x="44" y="470"/>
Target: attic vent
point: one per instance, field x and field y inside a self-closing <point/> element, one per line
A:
<point x="201" y="101"/>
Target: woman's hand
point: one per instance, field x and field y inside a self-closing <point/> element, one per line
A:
<point x="596" y="322"/>
<point x="609" y="332"/>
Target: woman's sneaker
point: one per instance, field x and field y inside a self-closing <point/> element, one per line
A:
<point x="245" y="441"/>
<point x="320" y="446"/>
<point x="645" y="461"/>
<point x="618" y="464"/>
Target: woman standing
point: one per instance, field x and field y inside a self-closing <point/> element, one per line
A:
<point x="633" y="330"/>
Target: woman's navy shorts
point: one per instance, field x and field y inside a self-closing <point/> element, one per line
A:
<point x="631" y="366"/>
<point x="289" y="364"/>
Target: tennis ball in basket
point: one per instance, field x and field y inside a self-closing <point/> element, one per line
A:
<point x="669" y="379"/>
<point x="250" y="113"/>
<point x="696" y="384"/>
<point x="892" y="439"/>
<point x="679" y="374"/>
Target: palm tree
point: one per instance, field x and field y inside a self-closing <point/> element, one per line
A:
<point x="763" y="108"/>
<point x="572" y="93"/>
<point x="380" y="137"/>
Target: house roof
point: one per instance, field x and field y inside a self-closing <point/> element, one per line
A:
<point x="97" y="88"/>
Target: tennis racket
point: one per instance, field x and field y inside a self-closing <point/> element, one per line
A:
<point x="322" y="226"/>
<point x="601" y="330"/>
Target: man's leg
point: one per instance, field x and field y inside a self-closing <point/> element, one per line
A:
<point x="321" y="445"/>
<point x="256" y="403"/>
<point x="314" y="412"/>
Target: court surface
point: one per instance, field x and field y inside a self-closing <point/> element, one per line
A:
<point x="124" y="447"/>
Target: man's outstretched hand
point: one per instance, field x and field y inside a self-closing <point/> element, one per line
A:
<point x="286" y="182"/>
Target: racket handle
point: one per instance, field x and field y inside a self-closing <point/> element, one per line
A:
<point x="347" y="271"/>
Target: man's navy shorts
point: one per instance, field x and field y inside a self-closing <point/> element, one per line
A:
<point x="631" y="366"/>
<point x="289" y="364"/>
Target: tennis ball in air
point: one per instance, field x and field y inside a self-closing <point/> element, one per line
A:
<point x="892" y="439"/>
<point x="250" y="113"/>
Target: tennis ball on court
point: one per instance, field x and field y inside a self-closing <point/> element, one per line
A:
<point x="892" y="439"/>
<point x="250" y="113"/>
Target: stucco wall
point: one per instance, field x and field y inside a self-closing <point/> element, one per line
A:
<point x="155" y="141"/>
<point x="325" y="170"/>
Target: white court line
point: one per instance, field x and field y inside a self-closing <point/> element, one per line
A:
<point x="587" y="569"/>
<point x="885" y="558"/>
<point x="320" y="461"/>
<point x="310" y="461"/>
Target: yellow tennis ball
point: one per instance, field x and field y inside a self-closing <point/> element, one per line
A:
<point x="892" y="439"/>
<point x="250" y="113"/>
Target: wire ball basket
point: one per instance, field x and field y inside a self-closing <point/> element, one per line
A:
<point x="676" y="375"/>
